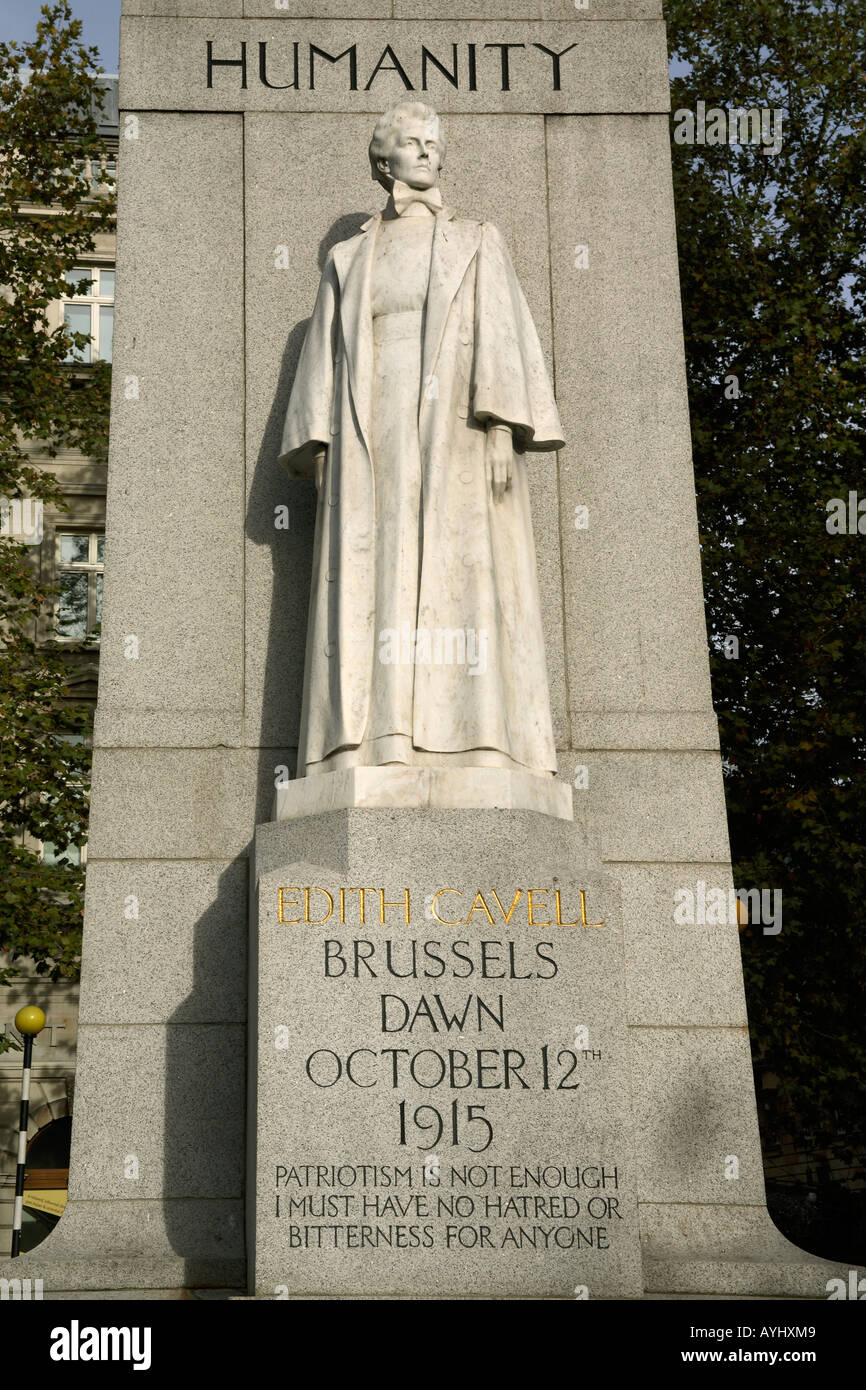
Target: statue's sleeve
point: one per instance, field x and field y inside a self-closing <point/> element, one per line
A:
<point x="308" y="415"/>
<point x="510" y="381"/>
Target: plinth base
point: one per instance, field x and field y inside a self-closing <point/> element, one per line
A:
<point x="460" y="788"/>
<point x="440" y="1066"/>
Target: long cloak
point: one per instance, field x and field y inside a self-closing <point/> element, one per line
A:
<point x="481" y="360"/>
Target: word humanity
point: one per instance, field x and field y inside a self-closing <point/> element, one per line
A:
<point x="467" y="66"/>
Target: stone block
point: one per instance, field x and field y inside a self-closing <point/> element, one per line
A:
<point x="469" y="1222"/>
<point x="635" y="629"/>
<point x="324" y="9"/>
<point x="110" y="1245"/>
<point x="662" y="730"/>
<point x="609" y="66"/>
<point x="165" y="942"/>
<point x="678" y="974"/>
<point x="560" y="11"/>
<point x="647" y="807"/>
<point x="694" y="1114"/>
<point x="728" y="1251"/>
<point x="393" y="842"/>
<point x="172" y="9"/>
<point x="161" y="1113"/>
<point x="118" y="728"/>
<point x="185" y="803"/>
<point x="176" y="463"/>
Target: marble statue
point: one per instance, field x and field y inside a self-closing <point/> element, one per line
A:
<point x="420" y="395"/>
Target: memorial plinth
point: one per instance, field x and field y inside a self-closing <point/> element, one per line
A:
<point x="440" y="1096"/>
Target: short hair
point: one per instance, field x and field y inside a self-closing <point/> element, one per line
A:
<point x="386" y="126"/>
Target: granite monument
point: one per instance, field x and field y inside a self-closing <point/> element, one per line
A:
<point x="352" y="1021"/>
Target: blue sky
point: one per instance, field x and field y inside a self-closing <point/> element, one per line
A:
<point x="101" y="19"/>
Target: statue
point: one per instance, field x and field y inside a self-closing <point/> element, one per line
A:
<point x="420" y="395"/>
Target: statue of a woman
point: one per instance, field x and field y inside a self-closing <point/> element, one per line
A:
<point x="420" y="393"/>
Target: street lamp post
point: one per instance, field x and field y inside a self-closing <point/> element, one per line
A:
<point x="29" y="1021"/>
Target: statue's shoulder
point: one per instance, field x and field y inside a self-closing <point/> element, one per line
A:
<point x="341" y="248"/>
<point x="473" y="229"/>
<point x="491" y="232"/>
<point x="486" y="233"/>
<point x="341" y="255"/>
<point x="469" y="224"/>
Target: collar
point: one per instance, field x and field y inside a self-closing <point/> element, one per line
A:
<point x="446" y="215"/>
<point x="402" y="196"/>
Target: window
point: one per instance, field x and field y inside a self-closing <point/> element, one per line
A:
<point x="52" y="854"/>
<point x="90" y="309"/>
<point x="81" y="561"/>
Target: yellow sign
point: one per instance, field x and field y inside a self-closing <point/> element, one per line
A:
<point x="52" y="1202"/>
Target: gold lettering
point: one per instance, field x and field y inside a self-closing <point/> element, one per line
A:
<point x="316" y="921"/>
<point x="288" y="921"/>
<point x="583" y="912"/>
<point x="480" y="908"/>
<point x="444" y="920"/>
<point x="532" y="921"/>
<point x="507" y="915"/>
<point x="559" y="921"/>
<point x="363" y="901"/>
<point x="383" y="904"/>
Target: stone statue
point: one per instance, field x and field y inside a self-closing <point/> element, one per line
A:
<point x="421" y="392"/>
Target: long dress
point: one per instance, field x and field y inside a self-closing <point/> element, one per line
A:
<point x="399" y="290"/>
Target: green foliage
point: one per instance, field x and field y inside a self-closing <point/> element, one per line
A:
<point x="772" y="268"/>
<point x="44" y="784"/>
<point x="49" y="216"/>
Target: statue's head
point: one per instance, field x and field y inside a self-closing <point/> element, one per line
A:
<point x="409" y="144"/>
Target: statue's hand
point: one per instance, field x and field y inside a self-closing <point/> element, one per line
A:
<point x="309" y="465"/>
<point x="319" y="460"/>
<point x="499" y="458"/>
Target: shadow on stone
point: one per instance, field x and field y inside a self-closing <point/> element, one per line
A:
<point x="204" y="1100"/>
<point x="292" y="548"/>
<point x="205" y="1095"/>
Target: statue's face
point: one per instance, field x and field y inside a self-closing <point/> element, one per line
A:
<point x="415" y="154"/>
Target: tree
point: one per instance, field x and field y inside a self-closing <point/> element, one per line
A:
<point x="772" y="250"/>
<point x="50" y="212"/>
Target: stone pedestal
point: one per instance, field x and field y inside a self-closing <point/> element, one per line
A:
<point x="440" y="1097"/>
<point x="469" y="788"/>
